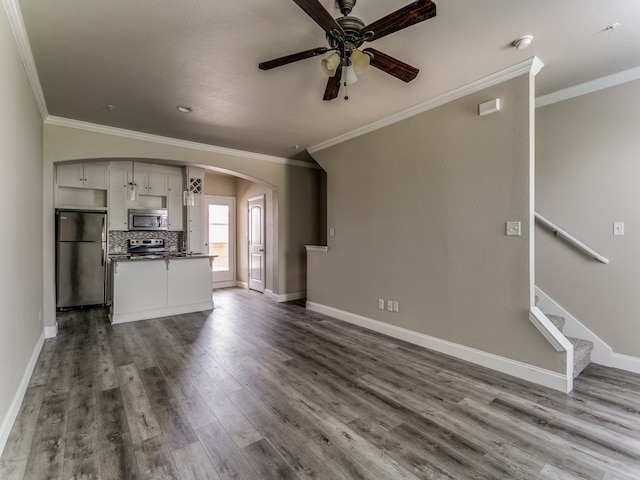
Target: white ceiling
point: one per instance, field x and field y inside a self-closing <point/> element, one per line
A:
<point x="145" y="57"/>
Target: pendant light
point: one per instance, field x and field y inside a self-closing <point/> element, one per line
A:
<point x="132" y="187"/>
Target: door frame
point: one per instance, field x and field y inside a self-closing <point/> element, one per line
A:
<point x="231" y="202"/>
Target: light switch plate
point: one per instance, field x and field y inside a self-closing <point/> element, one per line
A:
<point x="618" y="228"/>
<point x="513" y="228"/>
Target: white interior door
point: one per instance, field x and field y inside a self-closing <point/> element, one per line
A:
<point x="220" y="227"/>
<point x="257" y="258"/>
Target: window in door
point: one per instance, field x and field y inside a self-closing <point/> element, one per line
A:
<point x="221" y="238"/>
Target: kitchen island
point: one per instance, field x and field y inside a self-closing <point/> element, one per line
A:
<point x="159" y="285"/>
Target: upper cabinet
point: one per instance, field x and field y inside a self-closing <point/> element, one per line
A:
<point x="83" y="175"/>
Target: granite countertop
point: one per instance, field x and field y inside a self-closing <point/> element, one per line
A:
<point x="123" y="257"/>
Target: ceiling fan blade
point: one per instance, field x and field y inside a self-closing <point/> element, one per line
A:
<point x="333" y="85"/>
<point x="319" y="14"/>
<point x="413" y="13"/>
<point x="392" y="66"/>
<point x="294" y="57"/>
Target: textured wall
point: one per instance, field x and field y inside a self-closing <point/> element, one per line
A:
<point x="21" y="275"/>
<point x="587" y="177"/>
<point x="419" y="211"/>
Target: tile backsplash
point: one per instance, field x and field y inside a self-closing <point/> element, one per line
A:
<point x="173" y="241"/>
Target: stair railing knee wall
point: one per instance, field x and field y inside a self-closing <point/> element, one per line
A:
<point x="558" y="232"/>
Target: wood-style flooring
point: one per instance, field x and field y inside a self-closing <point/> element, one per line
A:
<point x="256" y="390"/>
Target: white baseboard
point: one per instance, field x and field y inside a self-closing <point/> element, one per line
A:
<point x="231" y="283"/>
<point x="601" y="354"/>
<point x="288" y="297"/>
<point x="626" y="362"/>
<point x="531" y="373"/>
<point x="14" y="408"/>
<point x="51" y="332"/>
<point x="160" y="312"/>
<point x="244" y="285"/>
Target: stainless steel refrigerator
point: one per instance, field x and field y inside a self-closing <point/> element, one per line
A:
<point x="81" y="258"/>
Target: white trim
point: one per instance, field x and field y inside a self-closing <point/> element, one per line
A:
<point x="316" y="248"/>
<point x="269" y="294"/>
<point x="625" y="362"/>
<point x="533" y="65"/>
<point x="550" y="332"/>
<point x="537" y="375"/>
<point x="51" y="332"/>
<point x="589" y="87"/>
<point x="230" y="283"/>
<point x="16" y="21"/>
<point x="160" y="312"/>
<point x="601" y="353"/>
<point x="174" y="142"/>
<point x="14" y="408"/>
<point x="244" y="285"/>
<point x="288" y="297"/>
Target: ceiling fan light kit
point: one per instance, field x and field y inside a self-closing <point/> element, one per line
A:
<point x="346" y="35"/>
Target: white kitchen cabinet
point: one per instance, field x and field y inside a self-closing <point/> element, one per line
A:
<point x="118" y="200"/>
<point x="195" y="214"/>
<point x="175" y="185"/>
<point x="175" y="212"/>
<point x="139" y="286"/>
<point x="145" y="289"/>
<point x="83" y="175"/>
<point x="149" y="182"/>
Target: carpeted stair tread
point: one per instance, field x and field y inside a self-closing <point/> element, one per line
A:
<point x="557" y="321"/>
<point x="581" y="354"/>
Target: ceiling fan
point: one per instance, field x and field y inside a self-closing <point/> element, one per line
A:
<point x="346" y="35"/>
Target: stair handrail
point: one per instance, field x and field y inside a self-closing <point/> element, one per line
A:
<point x="557" y="231"/>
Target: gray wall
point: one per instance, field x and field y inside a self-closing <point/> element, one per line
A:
<point x="419" y="211"/>
<point x="21" y="283"/>
<point x="587" y="177"/>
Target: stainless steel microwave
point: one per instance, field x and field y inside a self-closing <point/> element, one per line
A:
<point x="145" y="219"/>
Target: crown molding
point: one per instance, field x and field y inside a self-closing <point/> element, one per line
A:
<point x="533" y="65"/>
<point x="589" y="87"/>
<point x="174" y="142"/>
<point x="14" y="15"/>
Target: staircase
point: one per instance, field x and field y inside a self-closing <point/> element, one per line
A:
<point x="581" y="348"/>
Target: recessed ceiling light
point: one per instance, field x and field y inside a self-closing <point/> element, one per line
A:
<point x="522" y="42"/>
<point x="110" y="108"/>
<point x="613" y="26"/>
<point x="183" y="109"/>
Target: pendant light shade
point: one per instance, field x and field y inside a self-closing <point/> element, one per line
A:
<point x="132" y="186"/>
<point x="330" y="64"/>
<point x="188" y="198"/>
<point x="360" y="61"/>
<point x="349" y="75"/>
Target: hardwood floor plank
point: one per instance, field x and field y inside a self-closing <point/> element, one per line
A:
<point x="154" y="460"/>
<point x="192" y="463"/>
<point x="41" y="371"/>
<point x="173" y="423"/>
<point x="117" y="458"/>
<point x="81" y="455"/>
<point x="47" y="449"/>
<point x="104" y="368"/>
<point x="143" y="424"/>
<point x="267" y="462"/>
<point x="226" y="457"/>
<point x="16" y="452"/>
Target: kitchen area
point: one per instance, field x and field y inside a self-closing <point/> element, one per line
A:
<point x="130" y="236"/>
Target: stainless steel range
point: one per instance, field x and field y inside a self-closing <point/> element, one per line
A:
<point x="147" y="247"/>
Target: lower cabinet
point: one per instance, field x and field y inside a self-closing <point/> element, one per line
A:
<point x="145" y="289"/>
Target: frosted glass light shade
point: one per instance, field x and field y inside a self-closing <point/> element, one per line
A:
<point x="349" y="75"/>
<point x="330" y="64"/>
<point x="132" y="190"/>
<point x="360" y="61"/>
<point x="188" y="198"/>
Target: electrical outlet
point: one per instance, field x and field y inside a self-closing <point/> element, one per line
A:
<point x="381" y="304"/>
<point x="390" y="305"/>
<point x="396" y="306"/>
